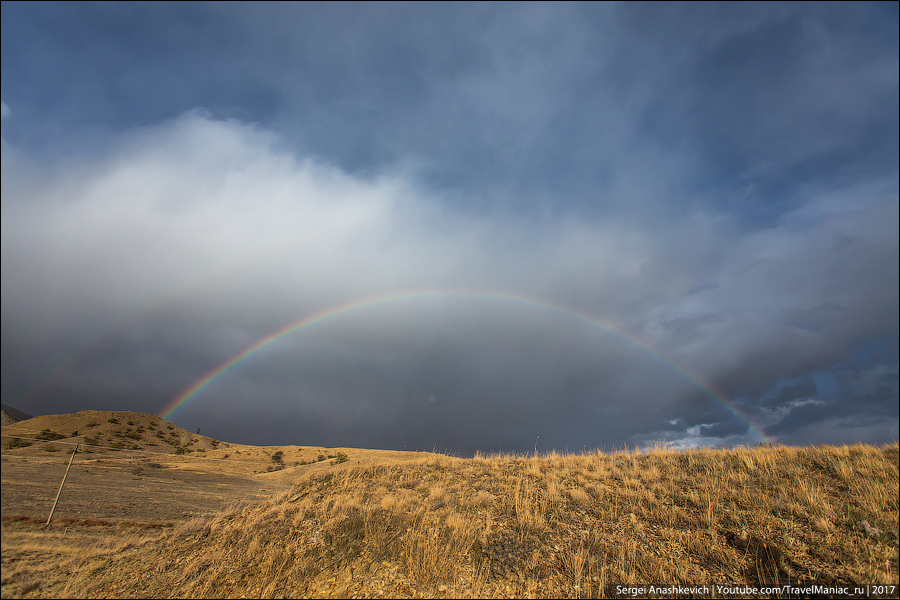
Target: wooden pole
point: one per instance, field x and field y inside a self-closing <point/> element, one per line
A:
<point x="61" y="485"/>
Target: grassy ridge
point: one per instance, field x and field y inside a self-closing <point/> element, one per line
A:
<point x="500" y="526"/>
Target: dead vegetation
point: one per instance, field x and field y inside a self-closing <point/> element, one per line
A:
<point x="515" y="526"/>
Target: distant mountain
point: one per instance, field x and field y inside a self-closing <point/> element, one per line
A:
<point x="12" y="415"/>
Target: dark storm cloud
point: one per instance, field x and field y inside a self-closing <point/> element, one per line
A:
<point x="720" y="182"/>
<point x="861" y="393"/>
<point x="790" y="393"/>
<point x="877" y="408"/>
<point x="224" y="238"/>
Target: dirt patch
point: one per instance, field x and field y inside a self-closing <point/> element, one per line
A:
<point x="136" y="489"/>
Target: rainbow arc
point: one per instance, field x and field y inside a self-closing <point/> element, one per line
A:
<point x="201" y="384"/>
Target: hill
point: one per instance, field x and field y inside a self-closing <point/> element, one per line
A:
<point x="110" y="429"/>
<point x="424" y="525"/>
<point x="136" y="467"/>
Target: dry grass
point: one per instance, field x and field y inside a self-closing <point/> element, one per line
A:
<point x="512" y="526"/>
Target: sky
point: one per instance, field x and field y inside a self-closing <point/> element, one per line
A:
<point x="460" y="227"/>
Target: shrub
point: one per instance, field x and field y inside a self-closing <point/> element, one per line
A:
<point x="321" y="457"/>
<point x="113" y="421"/>
<point x="75" y="433"/>
<point x="49" y="448"/>
<point x="278" y="457"/>
<point x="93" y="424"/>
<point x="340" y="458"/>
<point x="46" y="434"/>
<point x="18" y="443"/>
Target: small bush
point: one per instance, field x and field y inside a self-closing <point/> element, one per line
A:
<point x="340" y="458"/>
<point x="75" y="433"/>
<point x="321" y="457"/>
<point x="47" y="434"/>
<point x="49" y="448"/>
<point x="113" y="421"/>
<point x="18" y="443"/>
<point x="278" y="457"/>
<point x="93" y="424"/>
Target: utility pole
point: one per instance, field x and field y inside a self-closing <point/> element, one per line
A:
<point x="75" y="451"/>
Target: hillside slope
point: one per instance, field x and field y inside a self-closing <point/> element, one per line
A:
<point x="508" y="526"/>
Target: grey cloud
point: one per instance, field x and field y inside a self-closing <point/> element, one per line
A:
<point x="205" y="237"/>
<point x="563" y="108"/>
<point x="790" y="393"/>
<point x="718" y="182"/>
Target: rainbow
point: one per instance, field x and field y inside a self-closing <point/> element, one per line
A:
<point x="331" y="313"/>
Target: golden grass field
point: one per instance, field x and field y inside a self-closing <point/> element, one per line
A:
<point x="405" y="524"/>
